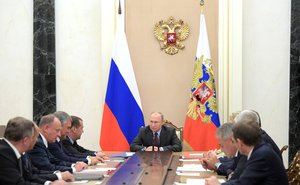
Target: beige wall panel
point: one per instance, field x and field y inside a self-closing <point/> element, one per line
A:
<point x="164" y="80"/>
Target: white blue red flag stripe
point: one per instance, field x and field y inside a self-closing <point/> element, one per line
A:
<point x="122" y="114"/>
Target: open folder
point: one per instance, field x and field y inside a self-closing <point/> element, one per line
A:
<point x="89" y="175"/>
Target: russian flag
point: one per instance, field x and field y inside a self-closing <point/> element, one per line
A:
<point x="202" y="118"/>
<point x="122" y="114"/>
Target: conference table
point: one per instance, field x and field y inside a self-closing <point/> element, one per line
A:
<point x="153" y="168"/>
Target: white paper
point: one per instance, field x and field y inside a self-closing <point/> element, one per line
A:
<point x="96" y="170"/>
<point x="101" y="164"/>
<point x="189" y="160"/>
<point x="179" y="183"/>
<point x="196" y="154"/>
<point x="129" y="154"/>
<point x="188" y="174"/>
<point x="199" y="181"/>
<point x="114" y="160"/>
<point x="105" y="169"/>
<point x="192" y="167"/>
<point x="79" y="182"/>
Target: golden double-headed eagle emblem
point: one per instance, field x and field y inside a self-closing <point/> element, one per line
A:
<point x="171" y="33"/>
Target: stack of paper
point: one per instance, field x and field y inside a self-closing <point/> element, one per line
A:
<point x="191" y="167"/>
<point x="122" y="155"/>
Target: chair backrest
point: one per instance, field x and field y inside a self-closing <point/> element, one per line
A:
<point x="293" y="171"/>
<point x="2" y="129"/>
<point x="284" y="148"/>
<point x="179" y="130"/>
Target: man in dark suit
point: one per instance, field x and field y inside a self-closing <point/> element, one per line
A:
<point x="33" y="174"/>
<point x="263" y="165"/>
<point x="251" y="115"/>
<point x="70" y="142"/>
<point x="40" y="156"/>
<point x="156" y="137"/>
<point x="57" y="149"/>
<point x="233" y="166"/>
<point x="19" y="137"/>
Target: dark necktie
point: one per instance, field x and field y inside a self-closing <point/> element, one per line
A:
<point x="155" y="140"/>
<point x="25" y="162"/>
<point x="20" y="166"/>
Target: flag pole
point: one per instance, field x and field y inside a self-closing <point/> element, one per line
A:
<point x="119" y="9"/>
<point x="202" y="5"/>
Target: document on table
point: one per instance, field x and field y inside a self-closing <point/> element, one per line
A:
<point x="192" y="167"/>
<point x="188" y="174"/>
<point x="123" y="155"/>
<point x="189" y="160"/>
<point x="196" y="154"/>
<point x="79" y="182"/>
<point x="195" y="182"/>
<point x="114" y="160"/>
<point x="96" y="170"/>
<point x="199" y="181"/>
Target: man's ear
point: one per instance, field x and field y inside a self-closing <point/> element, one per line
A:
<point x="26" y="140"/>
<point x="45" y="128"/>
<point x="239" y="142"/>
<point x="73" y="129"/>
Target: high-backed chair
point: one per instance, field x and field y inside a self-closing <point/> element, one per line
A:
<point x="2" y="129"/>
<point x="284" y="148"/>
<point x="293" y="171"/>
<point x="179" y="130"/>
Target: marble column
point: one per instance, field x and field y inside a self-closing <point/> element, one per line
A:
<point x="294" y="125"/>
<point x="44" y="77"/>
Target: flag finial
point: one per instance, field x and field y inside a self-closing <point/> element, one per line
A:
<point x="201" y="3"/>
<point x="119" y="9"/>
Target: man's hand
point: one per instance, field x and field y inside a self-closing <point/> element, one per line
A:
<point x="67" y="176"/>
<point x="152" y="148"/>
<point x="100" y="154"/>
<point x="94" y="160"/>
<point x="210" y="153"/>
<point x="80" y="166"/>
<point x="209" y="160"/>
<point x="58" y="182"/>
<point x="212" y="181"/>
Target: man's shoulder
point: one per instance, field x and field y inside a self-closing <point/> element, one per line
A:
<point x="167" y="128"/>
<point x="145" y="128"/>
<point x="263" y="149"/>
<point x="4" y="147"/>
<point x="66" y="141"/>
<point x="3" y="143"/>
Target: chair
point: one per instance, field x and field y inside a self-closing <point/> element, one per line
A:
<point x="179" y="130"/>
<point x="293" y="171"/>
<point x="284" y="148"/>
<point x="2" y="129"/>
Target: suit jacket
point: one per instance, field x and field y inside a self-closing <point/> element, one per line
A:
<point x="232" y="166"/>
<point x="267" y="139"/>
<point x="44" y="160"/>
<point x="226" y="164"/>
<point x="264" y="167"/>
<point x="167" y="139"/>
<point x="10" y="169"/>
<point x="31" y="173"/>
<point x="74" y="148"/>
<point x="57" y="150"/>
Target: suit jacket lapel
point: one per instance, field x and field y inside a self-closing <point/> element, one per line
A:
<point x="149" y="136"/>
